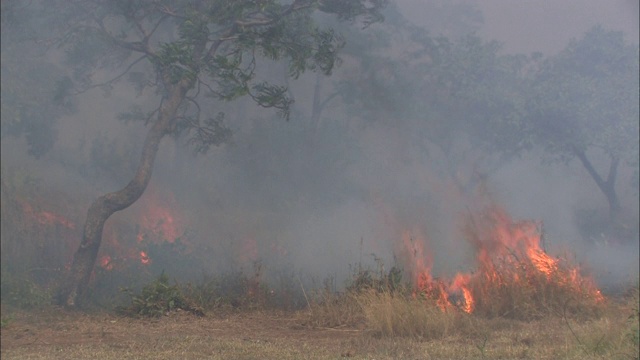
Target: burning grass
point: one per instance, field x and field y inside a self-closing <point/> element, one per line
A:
<point x="515" y="277"/>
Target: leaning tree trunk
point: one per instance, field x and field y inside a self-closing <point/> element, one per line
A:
<point x="73" y="289"/>
<point x="608" y="187"/>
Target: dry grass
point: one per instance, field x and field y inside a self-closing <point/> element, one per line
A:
<point x="395" y="327"/>
<point x="390" y="315"/>
<point x="399" y="326"/>
<point x="331" y="310"/>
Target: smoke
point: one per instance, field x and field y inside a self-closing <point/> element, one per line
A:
<point x="320" y="199"/>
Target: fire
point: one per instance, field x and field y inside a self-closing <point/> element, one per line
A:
<point x="461" y="283"/>
<point x="510" y="261"/>
<point x="144" y="258"/>
<point x="47" y="217"/>
<point x="105" y="262"/>
<point x="543" y="262"/>
<point x="159" y="218"/>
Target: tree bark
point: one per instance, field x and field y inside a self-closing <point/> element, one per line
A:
<point x="73" y="290"/>
<point x="607" y="187"/>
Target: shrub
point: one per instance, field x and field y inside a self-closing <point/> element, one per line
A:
<point x="156" y="299"/>
<point x="23" y="293"/>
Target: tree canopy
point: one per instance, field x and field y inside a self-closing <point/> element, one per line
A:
<point x="585" y="104"/>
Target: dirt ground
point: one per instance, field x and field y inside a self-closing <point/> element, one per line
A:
<point x="59" y="334"/>
<point x="65" y="335"/>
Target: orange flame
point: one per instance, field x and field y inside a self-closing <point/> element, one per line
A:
<point x="47" y="217"/>
<point x="461" y="283"/>
<point x="159" y="219"/>
<point x="543" y="262"/>
<point x="507" y="252"/>
<point x="144" y="258"/>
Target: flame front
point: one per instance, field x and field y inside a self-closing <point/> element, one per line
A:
<point x="509" y="256"/>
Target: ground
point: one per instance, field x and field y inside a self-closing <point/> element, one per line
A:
<point x="55" y="333"/>
<point x="253" y="335"/>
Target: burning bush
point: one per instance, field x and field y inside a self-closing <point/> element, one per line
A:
<point x="515" y="277"/>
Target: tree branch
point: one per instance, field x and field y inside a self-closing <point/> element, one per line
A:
<point x="137" y="46"/>
<point x="113" y="80"/>
<point x="613" y="171"/>
<point x="230" y="34"/>
<point x="590" y="169"/>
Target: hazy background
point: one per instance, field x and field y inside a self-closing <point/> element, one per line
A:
<point x="317" y="207"/>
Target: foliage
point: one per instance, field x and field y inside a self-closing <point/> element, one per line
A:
<point x="227" y="291"/>
<point x="23" y="293"/>
<point x="459" y="102"/>
<point x="587" y="97"/>
<point x="157" y="299"/>
<point x="585" y="105"/>
<point x="366" y="279"/>
<point x="217" y="47"/>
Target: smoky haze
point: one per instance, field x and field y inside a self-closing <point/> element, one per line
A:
<point x="317" y="196"/>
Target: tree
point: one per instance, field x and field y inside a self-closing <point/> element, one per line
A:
<point x="472" y="105"/>
<point x="460" y="102"/>
<point x="586" y="106"/>
<point x="184" y="50"/>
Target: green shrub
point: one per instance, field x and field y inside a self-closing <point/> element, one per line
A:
<point x="23" y="293"/>
<point x="156" y="299"/>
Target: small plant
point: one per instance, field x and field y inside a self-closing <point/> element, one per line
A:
<point x="157" y="299"/>
<point x="232" y="289"/>
<point x="23" y="293"/>
<point x="482" y="347"/>
<point x="379" y="280"/>
<point x="5" y="321"/>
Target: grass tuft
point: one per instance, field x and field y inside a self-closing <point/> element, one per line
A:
<point x="391" y="315"/>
